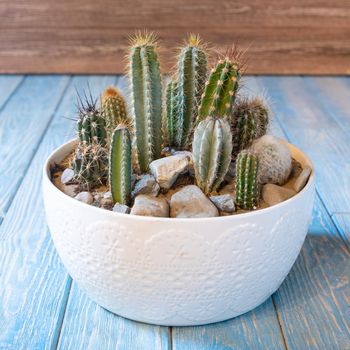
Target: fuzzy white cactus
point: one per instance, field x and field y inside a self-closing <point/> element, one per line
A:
<point x="275" y="161"/>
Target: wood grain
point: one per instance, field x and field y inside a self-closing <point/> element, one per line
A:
<point x="23" y="121"/>
<point x="34" y="285"/>
<point x="91" y="37"/>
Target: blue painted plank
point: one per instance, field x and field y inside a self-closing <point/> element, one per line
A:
<point x="342" y="221"/>
<point x="88" y="326"/>
<point x="257" y="329"/>
<point x="334" y="96"/>
<point x="8" y="85"/>
<point x="34" y="285"/>
<point x="23" y="122"/>
<point x="308" y="125"/>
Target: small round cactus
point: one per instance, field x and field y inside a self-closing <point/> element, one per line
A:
<point x="247" y="186"/>
<point x="275" y="161"/>
<point x="250" y="119"/>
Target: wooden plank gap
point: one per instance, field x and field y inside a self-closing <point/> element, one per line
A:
<point x="280" y="323"/>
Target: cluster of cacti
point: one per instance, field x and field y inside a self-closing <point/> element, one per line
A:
<point x="120" y="169"/>
<point x="247" y="184"/>
<point x="90" y="161"/>
<point x="197" y="110"/>
<point x="146" y="89"/>
<point x="212" y="146"/>
<point x="249" y="121"/>
<point x="274" y="158"/>
<point x="113" y="110"/>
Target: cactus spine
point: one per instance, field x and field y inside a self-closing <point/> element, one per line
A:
<point x="120" y="166"/>
<point x="247" y="187"/>
<point x="114" y="110"/>
<point x="221" y="89"/>
<point x="146" y="91"/>
<point x="192" y="71"/>
<point x="211" y="148"/>
<point x="171" y="113"/>
<point x="249" y="122"/>
<point x="90" y="162"/>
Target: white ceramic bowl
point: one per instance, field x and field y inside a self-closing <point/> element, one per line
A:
<point x="177" y="271"/>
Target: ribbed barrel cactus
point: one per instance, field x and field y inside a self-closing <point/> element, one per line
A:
<point x="211" y="148"/>
<point x="146" y="90"/>
<point x="113" y="110"/>
<point x="250" y="120"/>
<point x="247" y="186"/>
<point x="120" y="169"/>
<point x="221" y="89"/>
<point x="191" y="75"/>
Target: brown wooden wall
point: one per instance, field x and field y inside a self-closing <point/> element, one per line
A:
<point x="90" y="36"/>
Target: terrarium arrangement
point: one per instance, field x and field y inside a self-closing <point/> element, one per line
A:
<point x="193" y="146"/>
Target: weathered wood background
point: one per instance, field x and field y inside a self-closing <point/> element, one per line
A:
<point x="89" y="36"/>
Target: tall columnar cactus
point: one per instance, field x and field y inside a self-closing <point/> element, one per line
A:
<point x="171" y="113"/>
<point x="211" y="148"/>
<point x="146" y="91"/>
<point x="191" y="75"/>
<point x="247" y="186"/>
<point x="90" y="161"/>
<point x="221" y="89"/>
<point x="250" y="119"/>
<point x="113" y="109"/>
<point x="120" y="165"/>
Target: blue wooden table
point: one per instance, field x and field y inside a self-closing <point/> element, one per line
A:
<point x="40" y="306"/>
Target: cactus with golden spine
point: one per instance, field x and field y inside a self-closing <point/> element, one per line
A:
<point x="146" y="89"/>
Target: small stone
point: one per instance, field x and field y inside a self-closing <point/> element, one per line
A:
<point x="167" y="169"/>
<point x="224" y="203"/>
<point x="67" y="176"/>
<point x="296" y="168"/>
<point x="273" y="194"/>
<point x="302" y="179"/>
<point x="147" y="184"/>
<point x="84" y="197"/>
<point x="70" y="190"/>
<point x="191" y="202"/>
<point x="147" y="205"/>
<point x="107" y="195"/>
<point x="121" y="208"/>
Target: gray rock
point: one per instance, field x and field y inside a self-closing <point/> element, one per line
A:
<point x="274" y="194"/>
<point x="147" y="205"/>
<point x="85" y="197"/>
<point x="67" y="176"/>
<point x="147" y="184"/>
<point x="302" y="179"/>
<point x="121" y="208"/>
<point x="191" y="202"/>
<point x="224" y="202"/>
<point x="167" y="169"/>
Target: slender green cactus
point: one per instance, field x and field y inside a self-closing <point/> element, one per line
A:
<point x="249" y="121"/>
<point x="114" y="110"/>
<point x="146" y="91"/>
<point x="171" y="113"/>
<point x="191" y="74"/>
<point x="221" y="89"/>
<point x="211" y="148"/>
<point x="90" y="161"/>
<point x="247" y="187"/>
<point x="120" y="165"/>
